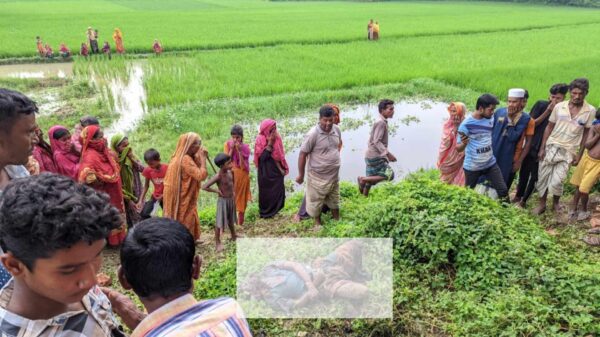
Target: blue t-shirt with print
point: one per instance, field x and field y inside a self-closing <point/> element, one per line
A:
<point x="479" y="154"/>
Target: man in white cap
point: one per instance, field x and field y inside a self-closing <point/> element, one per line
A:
<point x="563" y="142"/>
<point x="510" y="124"/>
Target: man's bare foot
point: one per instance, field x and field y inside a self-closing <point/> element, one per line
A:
<point x="220" y="248"/>
<point x="539" y="210"/>
<point x="361" y="185"/>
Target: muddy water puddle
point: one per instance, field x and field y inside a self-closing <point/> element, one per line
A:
<point x="415" y="132"/>
<point x="37" y="70"/>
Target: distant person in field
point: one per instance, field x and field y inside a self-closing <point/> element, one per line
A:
<point x="370" y="30"/>
<point x="563" y="143"/>
<point x="226" y="216"/>
<point x="99" y="169"/>
<point x="165" y="286"/>
<point x="157" y="47"/>
<point x="186" y="171"/>
<point x="321" y="150"/>
<point x="302" y="213"/>
<point x="240" y="154"/>
<point x="540" y="113"/>
<point x="376" y="31"/>
<point x="66" y="155"/>
<point x="40" y="46"/>
<point x="155" y="172"/>
<point x="42" y="152"/>
<point x="49" y="51"/>
<point x="510" y="125"/>
<point x="118" y="38"/>
<point x="84" y="51"/>
<point x="269" y="158"/>
<point x="378" y="156"/>
<point x="587" y="173"/>
<point x="450" y="160"/>
<point x="93" y="40"/>
<point x="64" y="51"/>
<point x="475" y="138"/>
<point x="106" y="49"/>
<point x="131" y="183"/>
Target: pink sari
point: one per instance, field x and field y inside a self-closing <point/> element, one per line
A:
<point x="65" y="157"/>
<point x="450" y="161"/>
<point x="278" y="153"/>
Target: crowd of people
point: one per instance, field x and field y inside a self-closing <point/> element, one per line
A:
<point x="91" y="46"/>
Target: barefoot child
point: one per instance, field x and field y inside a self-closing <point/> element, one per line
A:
<point x="155" y="173"/>
<point x="587" y="173"/>
<point x="226" y="201"/>
<point x="240" y="154"/>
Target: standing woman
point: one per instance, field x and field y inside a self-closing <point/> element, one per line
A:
<point x="118" y="37"/>
<point x="450" y="161"/>
<point x="239" y="152"/>
<point x="187" y="170"/>
<point x="66" y="156"/>
<point x="42" y="153"/>
<point x="269" y="158"/>
<point x="130" y="177"/>
<point x="99" y="169"/>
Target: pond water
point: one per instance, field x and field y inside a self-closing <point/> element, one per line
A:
<point x="415" y="132"/>
<point x="37" y="70"/>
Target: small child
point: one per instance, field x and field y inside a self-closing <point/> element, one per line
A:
<point x="226" y="201"/>
<point x="587" y="173"/>
<point x="155" y="172"/>
<point x="157" y="47"/>
<point x="106" y="49"/>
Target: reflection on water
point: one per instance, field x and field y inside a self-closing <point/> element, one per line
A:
<point x="415" y="132"/>
<point x="37" y="70"/>
<point x="129" y="100"/>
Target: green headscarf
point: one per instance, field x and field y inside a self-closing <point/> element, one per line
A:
<point x="126" y="166"/>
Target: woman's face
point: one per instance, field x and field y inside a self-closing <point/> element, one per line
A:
<point x="454" y="115"/>
<point x="194" y="148"/>
<point x="122" y="145"/>
<point x="65" y="140"/>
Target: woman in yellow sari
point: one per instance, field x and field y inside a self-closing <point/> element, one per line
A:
<point x="187" y="170"/>
<point x="118" y="37"/>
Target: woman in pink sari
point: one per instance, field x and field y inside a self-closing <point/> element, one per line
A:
<point x="450" y="161"/>
<point x="66" y="156"/>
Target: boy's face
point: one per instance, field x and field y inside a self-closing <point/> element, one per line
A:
<point x="16" y="145"/>
<point x="388" y="112"/>
<point x="155" y="164"/>
<point x="66" y="276"/>
<point x="228" y="165"/>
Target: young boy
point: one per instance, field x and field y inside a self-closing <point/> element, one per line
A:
<point x="226" y="201"/>
<point x="52" y="233"/>
<point x="155" y="172"/>
<point x="587" y="173"/>
<point x="378" y="156"/>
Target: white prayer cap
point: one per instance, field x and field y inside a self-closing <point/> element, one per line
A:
<point x="516" y="93"/>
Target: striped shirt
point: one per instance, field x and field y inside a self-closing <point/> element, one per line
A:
<point x="478" y="153"/>
<point x="185" y="317"/>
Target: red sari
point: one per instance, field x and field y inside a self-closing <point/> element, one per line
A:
<point x="99" y="169"/>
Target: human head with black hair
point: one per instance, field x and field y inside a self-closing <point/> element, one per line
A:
<point x="17" y="127"/>
<point x="223" y="161"/>
<point x="237" y="134"/>
<point x="486" y="104"/>
<point x="558" y="92"/>
<point x="158" y="260"/>
<point x="88" y="120"/>
<point x="578" y="88"/>
<point x="326" y="118"/>
<point x="386" y="108"/>
<point x="152" y="158"/>
<point x="52" y="232"/>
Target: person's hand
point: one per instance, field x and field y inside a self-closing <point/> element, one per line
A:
<point x="464" y="139"/>
<point x="139" y="205"/>
<point x="220" y="193"/>
<point x="391" y="157"/>
<point x="236" y="145"/>
<point x="300" y="179"/>
<point x="596" y="128"/>
<point x="124" y="307"/>
<point x="517" y="166"/>
<point x="551" y="105"/>
<point x="576" y="160"/>
<point x="541" y="154"/>
<point x="159" y="198"/>
<point x="312" y="293"/>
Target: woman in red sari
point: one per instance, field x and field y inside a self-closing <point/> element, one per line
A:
<point x="66" y="156"/>
<point x="450" y="161"/>
<point x="99" y="169"/>
<point x="42" y="152"/>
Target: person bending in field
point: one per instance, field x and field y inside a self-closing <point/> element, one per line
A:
<point x="563" y="143"/>
<point x="49" y="51"/>
<point x="84" y="51"/>
<point x="53" y="232"/>
<point x="106" y="50"/>
<point x="587" y="173"/>
<point x="528" y="175"/>
<point x="165" y="285"/>
<point x="64" y="52"/>
<point x="226" y="201"/>
<point x="240" y="154"/>
<point x="157" y="47"/>
<point x="155" y="173"/>
<point x="378" y="157"/>
<point x="475" y="138"/>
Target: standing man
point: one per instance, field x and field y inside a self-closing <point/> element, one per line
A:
<point x="475" y="136"/>
<point x="510" y="125"/>
<point x="562" y="144"/>
<point x="370" y="30"/>
<point x="528" y="175"/>
<point x="321" y="147"/>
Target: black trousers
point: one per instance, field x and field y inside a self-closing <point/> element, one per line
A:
<point x="528" y="177"/>
<point x="148" y="207"/>
<point x="494" y="175"/>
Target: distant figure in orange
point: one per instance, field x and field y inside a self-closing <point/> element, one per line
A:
<point x="118" y="37"/>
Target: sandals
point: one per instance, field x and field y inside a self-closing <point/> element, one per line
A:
<point x="594" y="230"/>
